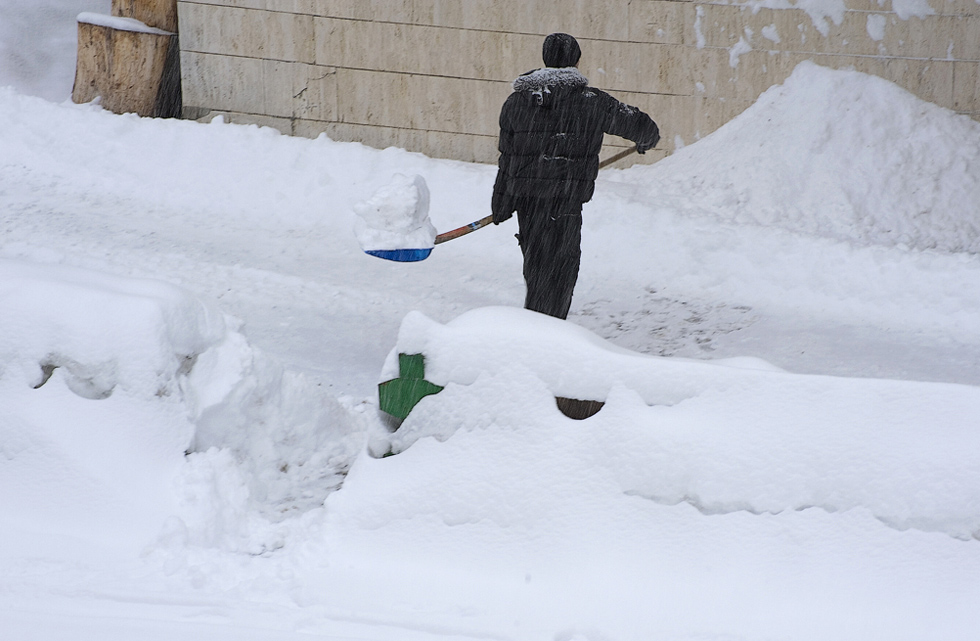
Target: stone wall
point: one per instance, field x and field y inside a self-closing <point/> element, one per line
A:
<point x="430" y="75"/>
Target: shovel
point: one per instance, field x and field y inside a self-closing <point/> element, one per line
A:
<point x="415" y="255"/>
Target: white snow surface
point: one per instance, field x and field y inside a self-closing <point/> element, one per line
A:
<point x="813" y="156"/>
<point x="396" y="216"/>
<point x="782" y="320"/>
<point x="121" y="24"/>
<point x="696" y="428"/>
<point x="103" y="330"/>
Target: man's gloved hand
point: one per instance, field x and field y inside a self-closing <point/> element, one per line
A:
<point x="643" y="147"/>
<point x="502" y="206"/>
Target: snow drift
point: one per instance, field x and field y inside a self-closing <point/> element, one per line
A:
<point x="838" y="154"/>
<point x="723" y="436"/>
<point x="107" y="382"/>
<point x="102" y="330"/>
<point x="94" y="428"/>
<point x="704" y="495"/>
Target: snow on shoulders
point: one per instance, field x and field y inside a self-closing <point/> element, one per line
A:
<point x="550" y="77"/>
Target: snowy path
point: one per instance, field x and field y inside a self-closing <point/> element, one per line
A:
<point x="290" y="285"/>
<point x="287" y="262"/>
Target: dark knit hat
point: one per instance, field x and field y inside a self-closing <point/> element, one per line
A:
<point x="560" y="50"/>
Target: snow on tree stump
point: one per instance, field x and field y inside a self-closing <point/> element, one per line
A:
<point x="124" y="62"/>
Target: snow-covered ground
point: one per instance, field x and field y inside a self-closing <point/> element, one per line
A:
<point x="782" y="320"/>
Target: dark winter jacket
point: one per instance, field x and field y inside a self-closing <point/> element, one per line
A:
<point x="551" y="131"/>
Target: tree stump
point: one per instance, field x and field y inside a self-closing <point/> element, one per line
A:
<point x="128" y="64"/>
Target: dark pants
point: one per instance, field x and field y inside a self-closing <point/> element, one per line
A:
<point x="550" y="238"/>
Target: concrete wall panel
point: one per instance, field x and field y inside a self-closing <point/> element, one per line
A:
<point x="966" y="88"/>
<point x="249" y="33"/>
<point x="430" y="75"/>
<point x="661" y="22"/>
<point x="408" y="101"/>
<point x="586" y="18"/>
<point x="440" y="51"/>
<point x="262" y="87"/>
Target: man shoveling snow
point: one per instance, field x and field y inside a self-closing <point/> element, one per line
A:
<point x="551" y="131"/>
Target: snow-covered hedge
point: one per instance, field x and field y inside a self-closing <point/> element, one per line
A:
<point x="101" y="330"/>
<point x="724" y="436"/>
<point x="106" y="382"/>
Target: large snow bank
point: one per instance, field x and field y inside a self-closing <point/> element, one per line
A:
<point x="838" y="154"/>
<point x="723" y="436"/>
<point x="106" y="382"/>
<point x="705" y="500"/>
<point x="94" y="425"/>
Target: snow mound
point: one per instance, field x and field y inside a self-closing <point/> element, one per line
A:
<point x="722" y="436"/>
<point x="102" y="330"/>
<point x="92" y="374"/>
<point x="131" y="403"/>
<point x="838" y="154"/>
<point x="396" y="216"/>
<point x="270" y="444"/>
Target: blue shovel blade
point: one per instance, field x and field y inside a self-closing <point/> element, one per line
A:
<point x="401" y="255"/>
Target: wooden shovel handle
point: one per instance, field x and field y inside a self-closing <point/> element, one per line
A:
<point x="611" y="159"/>
<point x="483" y="222"/>
<point x="465" y="229"/>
